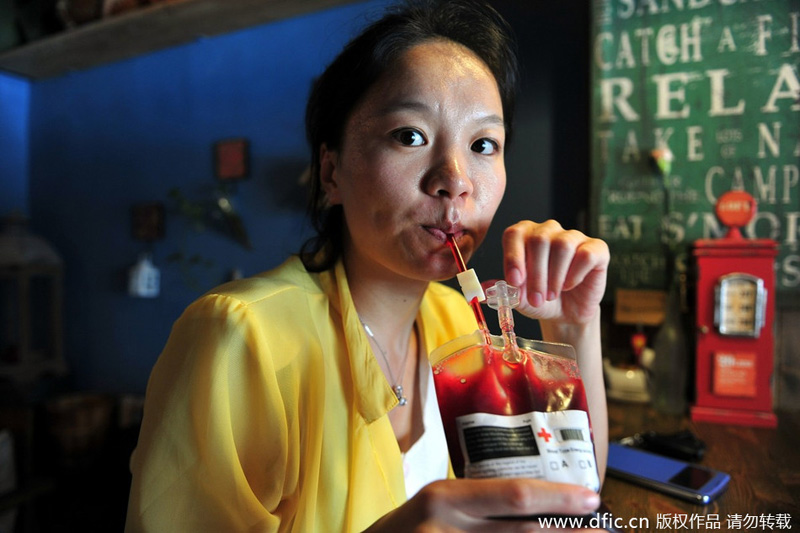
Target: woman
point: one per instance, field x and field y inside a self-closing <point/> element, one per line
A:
<point x="301" y="399"/>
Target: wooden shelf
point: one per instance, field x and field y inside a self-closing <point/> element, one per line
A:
<point x="147" y="30"/>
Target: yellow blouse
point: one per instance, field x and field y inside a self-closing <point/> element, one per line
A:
<point x="266" y="411"/>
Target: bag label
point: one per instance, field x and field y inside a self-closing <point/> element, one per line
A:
<point x="554" y="446"/>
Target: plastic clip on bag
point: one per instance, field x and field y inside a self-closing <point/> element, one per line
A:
<point x="513" y="407"/>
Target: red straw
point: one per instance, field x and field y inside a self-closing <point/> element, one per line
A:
<point x="451" y="242"/>
<point x="476" y="305"/>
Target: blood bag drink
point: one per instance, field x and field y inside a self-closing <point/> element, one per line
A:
<point x="511" y="407"/>
<point x="519" y="414"/>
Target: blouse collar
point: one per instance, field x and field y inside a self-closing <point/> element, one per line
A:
<point x="373" y="393"/>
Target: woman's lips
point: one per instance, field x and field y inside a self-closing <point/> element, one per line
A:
<point x="441" y="234"/>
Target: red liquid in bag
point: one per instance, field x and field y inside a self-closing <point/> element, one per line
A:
<point x="477" y="379"/>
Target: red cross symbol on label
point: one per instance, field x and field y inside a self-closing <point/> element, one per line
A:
<point x="544" y="434"/>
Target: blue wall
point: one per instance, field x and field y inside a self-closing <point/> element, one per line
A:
<point x="109" y="137"/>
<point x="14" y="106"/>
<point x="103" y="139"/>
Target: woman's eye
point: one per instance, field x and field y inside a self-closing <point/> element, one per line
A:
<point x="409" y="137"/>
<point x="485" y="146"/>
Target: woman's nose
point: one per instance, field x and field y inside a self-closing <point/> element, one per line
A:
<point x="449" y="177"/>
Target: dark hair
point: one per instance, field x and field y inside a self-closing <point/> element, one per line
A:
<point x="335" y="94"/>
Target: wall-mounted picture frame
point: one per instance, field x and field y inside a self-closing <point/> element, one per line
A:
<point x="232" y="159"/>
<point x="147" y="221"/>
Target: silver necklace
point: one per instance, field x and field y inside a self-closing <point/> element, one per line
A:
<point x="397" y="387"/>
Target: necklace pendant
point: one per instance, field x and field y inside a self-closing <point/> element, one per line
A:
<point x="398" y="391"/>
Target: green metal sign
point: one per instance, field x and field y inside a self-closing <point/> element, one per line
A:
<point x="716" y="83"/>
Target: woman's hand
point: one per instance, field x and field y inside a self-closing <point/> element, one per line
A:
<point x="561" y="273"/>
<point x="465" y="505"/>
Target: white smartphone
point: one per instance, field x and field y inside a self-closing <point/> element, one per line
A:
<point x="671" y="476"/>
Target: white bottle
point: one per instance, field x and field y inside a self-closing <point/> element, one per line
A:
<point x="144" y="278"/>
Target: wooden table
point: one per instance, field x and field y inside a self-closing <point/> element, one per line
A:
<point x="764" y="465"/>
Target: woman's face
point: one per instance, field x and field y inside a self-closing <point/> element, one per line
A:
<point x="421" y="158"/>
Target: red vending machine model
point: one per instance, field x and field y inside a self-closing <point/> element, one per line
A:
<point x="735" y="308"/>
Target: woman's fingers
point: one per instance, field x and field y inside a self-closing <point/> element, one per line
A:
<point x="525" y="251"/>
<point x="538" y="256"/>
<point x="523" y="497"/>
<point x="561" y="264"/>
<point x="514" y="254"/>
<point x="483" y="498"/>
<point x="545" y="260"/>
